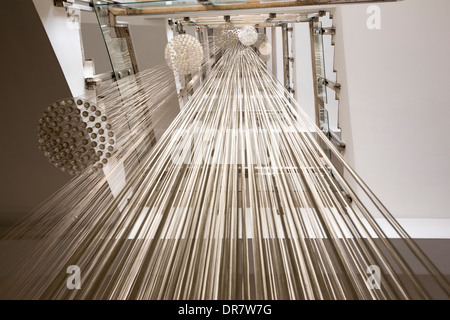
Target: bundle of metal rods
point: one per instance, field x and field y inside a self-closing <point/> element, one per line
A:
<point x="237" y="200"/>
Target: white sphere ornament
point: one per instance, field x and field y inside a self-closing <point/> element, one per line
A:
<point x="248" y="35"/>
<point x="184" y="54"/>
<point x="265" y="49"/>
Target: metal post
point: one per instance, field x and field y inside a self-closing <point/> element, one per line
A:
<point x="286" y="69"/>
<point x="314" y="73"/>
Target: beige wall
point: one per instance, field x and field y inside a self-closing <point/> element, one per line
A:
<point x="32" y="79"/>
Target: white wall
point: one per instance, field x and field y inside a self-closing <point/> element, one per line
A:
<point x="395" y="108"/>
<point x="93" y="43"/>
<point x="304" y="85"/>
<point x="277" y="54"/>
<point x="149" y="38"/>
<point x="66" y="43"/>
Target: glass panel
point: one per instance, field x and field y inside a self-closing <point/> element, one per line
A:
<point x="224" y="2"/>
<point x="164" y="3"/>
<point x="265" y="1"/>
<point x="116" y="47"/>
<point x="238" y="20"/>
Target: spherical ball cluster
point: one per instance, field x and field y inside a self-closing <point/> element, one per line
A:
<point x="75" y="135"/>
<point x="184" y="54"/>
<point x="248" y="35"/>
<point x="228" y="36"/>
<point x="265" y="49"/>
<point x="262" y="38"/>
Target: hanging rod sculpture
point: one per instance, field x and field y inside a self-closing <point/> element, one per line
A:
<point x="237" y="200"/>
